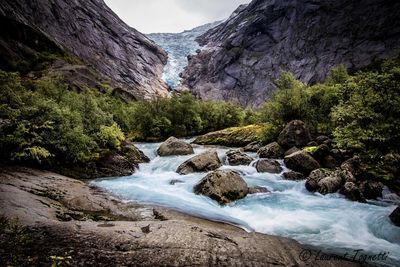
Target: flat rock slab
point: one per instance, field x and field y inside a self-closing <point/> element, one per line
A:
<point x="111" y="233"/>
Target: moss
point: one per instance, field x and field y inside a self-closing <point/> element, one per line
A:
<point x="310" y="149"/>
<point x="234" y="136"/>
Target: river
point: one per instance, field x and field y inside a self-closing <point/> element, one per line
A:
<point x="331" y="222"/>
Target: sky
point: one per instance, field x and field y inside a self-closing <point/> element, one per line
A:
<point x="149" y="16"/>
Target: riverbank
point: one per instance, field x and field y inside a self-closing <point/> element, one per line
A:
<point x="70" y="219"/>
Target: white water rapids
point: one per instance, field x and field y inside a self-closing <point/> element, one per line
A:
<point x="330" y="222"/>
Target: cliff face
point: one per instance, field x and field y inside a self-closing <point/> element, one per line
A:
<point x="93" y="33"/>
<point x="245" y="54"/>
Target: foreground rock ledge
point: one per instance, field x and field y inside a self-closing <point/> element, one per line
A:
<point x="66" y="215"/>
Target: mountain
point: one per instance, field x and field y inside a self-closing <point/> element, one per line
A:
<point x="88" y="30"/>
<point x="179" y="46"/>
<point x="243" y="56"/>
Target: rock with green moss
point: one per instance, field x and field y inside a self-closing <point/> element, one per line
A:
<point x="301" y="161"/>
<point x="234" y="136"/>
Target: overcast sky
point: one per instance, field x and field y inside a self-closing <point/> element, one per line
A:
<point x="150" y="16"/>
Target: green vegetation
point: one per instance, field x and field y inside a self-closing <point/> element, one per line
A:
<point x="42" y="121"/>
<point x="361" y="111"/>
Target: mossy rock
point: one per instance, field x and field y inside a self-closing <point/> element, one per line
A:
<point x="310" y="149"/>
<point x="234" y="136"/>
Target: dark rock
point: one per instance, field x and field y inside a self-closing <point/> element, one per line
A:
<point x="93" y="33"/>
<point x="204" y="162"/>
<point x="312" y="143"/>
<point x="223" y="186"/>
<point x="371" y="189"/>
<point x="353" y="165"/>
<point x="253" y="147"/>
<point x="133" y="154"/>
<point x="294" y="134"/>
<point x="268" y="165"/>
<point x="328" y="162"/>
<point x="395" y="216"/>
<point x="238" y="157"/>
<point x="114" y="164"/>
<point x="351" y="191"/>
<point x="258" y="190"/>
<point x="173" y="146"/>
<point x="291" y="151"/>
<point x="301" y="161"/>
<point x="326" y="181"/>
<point x="244" y="59"/>
<point x="175" y="181"/>
<point x="321" y="151"/>
<point x="292" y="175"/>
<point x="272" y="150"/>
<point x="321" y="139"/>
<point x="336" y="154"/>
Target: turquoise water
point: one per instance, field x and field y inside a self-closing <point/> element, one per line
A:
<point x="330" y="222"/>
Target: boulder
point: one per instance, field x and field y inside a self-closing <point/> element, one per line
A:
<point x="291" y="151"/>
<point x="371" y="189"/>
<point x="272" y="150"/>
<point x="253" y="147"/>
<point x="268" y="165"/>
<point x="173" y="146"/>
<point x="326" y="181"/>
<point x="294" y="134"/>
<point x="113" y="164"/>
<point x="224" y="186"/>
<point x="351" y="191"/>
<point x="322" y="139"/>
<point x="133" y="154"/>
<point x="238" y="157"/>
<point x="353" y="165"/>
<point x="301" y="161"/>
<point x="204" y="162"/>
<point x="312" y="143"/>
<point x="395" y="216"/>
<point x="321" y="151"/>
<point x="292" y="175"/>
<point x="257" y="190"/>
<point x="328" y="162"/>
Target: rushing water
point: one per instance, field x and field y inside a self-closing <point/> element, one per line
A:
<point x="330" y="222"/>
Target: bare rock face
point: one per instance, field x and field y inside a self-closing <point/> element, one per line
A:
<point x="245" y="54"/>
<point x="223" y="186"/>
<point x="173" y="146"/>
<point x="204" y="162"/>
<point x="93" y="33"/>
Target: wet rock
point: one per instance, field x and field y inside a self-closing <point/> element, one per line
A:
<point x="325" y="181"/>
<point x="351" y="191"/>
<point x="253" y="147"/>
<point x="175" y="181"/>
<point x="371" y="189"/>
<point x="238" y="157"/>
<point x="133" y="154"/>
<point x="294" y="134"/>
<point x="301" y="161"/>
<point x="321" y="139"/>
<point x="272" y="150"/>
<point x="291" y="151"/>
<point x="268" y="165"/>
<point x="258" y="190"/>
<point x="204" y="162"/>
<point x="395" y="216"/>
<point x="173" y="146"/>
<point x="224" y="186"/>
<point x="292" y="175"/>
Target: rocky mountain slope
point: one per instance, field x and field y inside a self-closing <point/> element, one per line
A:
<point x="179" y="47"/>
<point x="246" y="53"/>
<point x="90" y="31"/>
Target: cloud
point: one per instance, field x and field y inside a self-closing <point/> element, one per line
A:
<point x="150" y="16"/>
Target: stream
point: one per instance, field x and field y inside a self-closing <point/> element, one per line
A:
<point x="330" y="222"/>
